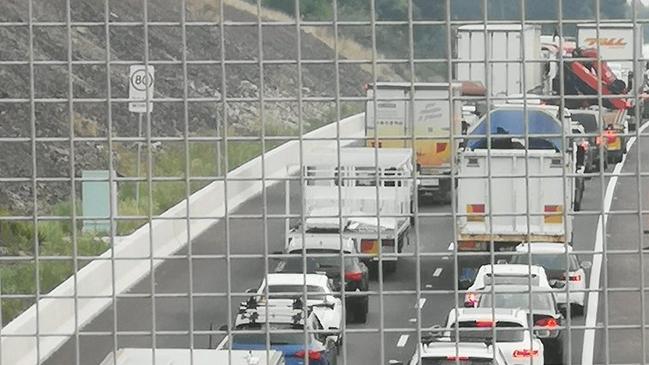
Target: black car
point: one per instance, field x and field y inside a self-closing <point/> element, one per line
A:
<point x="544" y="311"/>
<point x="356" y="276"/>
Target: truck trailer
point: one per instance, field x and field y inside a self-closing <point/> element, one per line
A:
<point x="431" y="115"/>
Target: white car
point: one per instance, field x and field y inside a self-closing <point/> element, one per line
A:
<point x="562" y="267"/>
<point x="284" y="288"/>
<point x="513" y="336"/>
<point x="445" y="352"/>
<point x="504" y="274"/>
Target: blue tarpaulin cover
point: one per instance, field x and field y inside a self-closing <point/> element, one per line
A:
<point x="512" y="122"/>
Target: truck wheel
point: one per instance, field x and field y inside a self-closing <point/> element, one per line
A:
<point x="360" y="313"/>
<point x="577" y="204"/>
<point x="412" y="213"/>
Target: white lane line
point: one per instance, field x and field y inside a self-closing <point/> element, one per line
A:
<point x="402" y="340"/>
<point x="412" y="320"/>
<point x="587" y="352"/>
<point x="437" y="272"/>
<point x="421" y="303"/>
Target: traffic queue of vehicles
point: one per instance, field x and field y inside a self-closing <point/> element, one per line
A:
<point x="518" y="171"/>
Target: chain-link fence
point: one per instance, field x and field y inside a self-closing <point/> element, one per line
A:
<point x="322" y="181"/>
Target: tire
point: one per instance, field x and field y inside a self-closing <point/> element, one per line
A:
<point x="360" y="313"/>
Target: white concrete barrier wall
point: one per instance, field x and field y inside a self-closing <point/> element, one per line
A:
<point x="38" y="333"/>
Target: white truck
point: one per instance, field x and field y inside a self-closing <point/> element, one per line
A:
<point x="497" y="188"/>
<point x="377" y="218"/>
<point x="616" y="44"/>
<point x="393" y="115"/>
<point x="177" y="356"/>
<point x="506" y="47"/>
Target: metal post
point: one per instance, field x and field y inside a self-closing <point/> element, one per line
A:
<point x="287" y="204"/>
<point x="137" y="163"/>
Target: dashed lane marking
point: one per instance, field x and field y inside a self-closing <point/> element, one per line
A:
<point x="403" y="339"/>
<point x="437" y="272"/>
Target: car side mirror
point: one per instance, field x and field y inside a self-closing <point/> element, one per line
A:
<point x="586" y="265"/>
<point x="557" y="284"/>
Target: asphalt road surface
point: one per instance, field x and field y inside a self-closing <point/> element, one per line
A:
<point x="394" y="307"/>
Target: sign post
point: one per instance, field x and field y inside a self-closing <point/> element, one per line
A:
<point x="140" y="93"/>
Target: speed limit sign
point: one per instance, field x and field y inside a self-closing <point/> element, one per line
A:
<point x="140" y="84"/>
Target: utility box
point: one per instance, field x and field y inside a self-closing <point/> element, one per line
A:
<point x="96" y="199"/>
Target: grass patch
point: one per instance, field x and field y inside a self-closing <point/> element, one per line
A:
<point x="19" y="278"/>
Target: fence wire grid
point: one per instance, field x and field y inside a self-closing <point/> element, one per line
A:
<point x="323" y="182"/>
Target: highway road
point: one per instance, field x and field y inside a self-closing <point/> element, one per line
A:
<point x="364" y="344"/>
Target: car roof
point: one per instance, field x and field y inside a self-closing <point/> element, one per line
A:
<point x="452" y="348"/>
<point x="297" y="279"/>
<point x="522" y="269"/>
<point x="497" y="314"/>
<point x="543" y="247"/>
<point x="514" y="288"/>
<point x="333" y="242"/>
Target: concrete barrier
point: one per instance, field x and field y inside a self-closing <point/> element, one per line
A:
<point x="44" y="327"/>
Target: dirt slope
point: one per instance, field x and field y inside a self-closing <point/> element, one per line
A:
<point x="89" y="79"/>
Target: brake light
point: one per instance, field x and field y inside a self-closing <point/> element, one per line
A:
<point x="547" y="322"/>
<point x="374" y="144"/>
<point x="525" y="353"/>
<point x="457" y="358"/>
<point x="611" y="136"/>
<point x="574" y="278"/>
<point x="584" y="145"/>
<point x="483" y="324"/>
<point x="368" y="246"/>
<point x="475" y="212"/>
<point x="353" y="276"/>
<point x="441" y="147"/>
<point x="313" y="355"/>
<point x="553" y="214"/>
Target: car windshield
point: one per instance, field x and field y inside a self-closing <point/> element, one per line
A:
<point x="504" y="332"/>
<point x="554" y="262"/>
<point x="256" y="334"/>
<point x="540" y="301"/>
<point x="292" y="291"/>
<point x="450" y="360"/>
<point x="589" y="122"/>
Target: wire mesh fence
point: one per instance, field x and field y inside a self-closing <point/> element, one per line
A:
<point x="322" y="181"/>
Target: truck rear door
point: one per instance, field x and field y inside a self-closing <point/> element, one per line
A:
<point x="386" y="116"/>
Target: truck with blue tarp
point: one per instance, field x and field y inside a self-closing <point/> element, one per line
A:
<point x="517" y="179"/>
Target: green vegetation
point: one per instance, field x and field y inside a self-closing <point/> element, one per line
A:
<point x="54" y="244"/>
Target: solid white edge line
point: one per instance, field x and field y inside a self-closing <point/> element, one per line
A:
<point x="588" y="348"/>
<point x="437" y="272"/>
<point x="403" y="339"/>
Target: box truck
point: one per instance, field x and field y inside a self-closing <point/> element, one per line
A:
<point x="506" y="48"/>
<point x="393" y="115"/>
<point x="616" y="44"/>
<point x="498" y="187"/>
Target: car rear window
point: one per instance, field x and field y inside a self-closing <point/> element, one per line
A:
<point x="553" y="262"/>
<point x="255" y="334"/>
<point x="504" y="332"/>
<point x="453" y="361"/>
<point x="313" y="292"/>
<point x="491" y="279"/>
<point x="540" y="301"/>
<point x="589" y="122"/>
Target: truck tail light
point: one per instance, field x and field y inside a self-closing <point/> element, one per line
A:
<point x="369" y="246"/>
<point x="313" y="355"/>
<point x="585" y="145"/>
<point x="475" y="212"/>
<point x="375" y="144"/>
<point x="553" y="214"/>
<point x="547" y="322"/>
<point x="441" y="147"/>
<point x="470" y="300"/>
<point x="353" y="276"/>
<point x="526" y="353"/>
